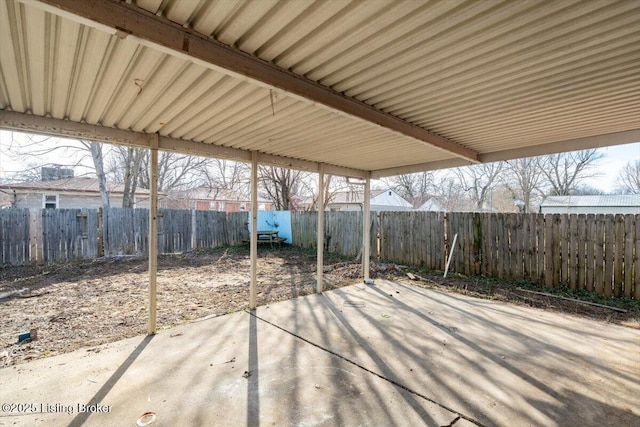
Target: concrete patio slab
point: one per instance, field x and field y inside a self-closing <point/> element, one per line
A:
<point x="388" y="354"/>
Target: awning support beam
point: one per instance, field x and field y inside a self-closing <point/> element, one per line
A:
<point x="595" y="141"/>
<point x="67" y="129"/>
<point x="128" y="20"/>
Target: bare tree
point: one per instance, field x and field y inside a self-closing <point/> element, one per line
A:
<point x="95" y="148"/>
<point x="175" y="171"/>
<point x="31" y="150"/>
<point x="629" y="178"/>
<point x="524" y="179"/>
<point x="221" y="174"/>
<point x="449" y="193"/>
<point x="129" y="167"/>
<point x="478" y="181"/>
<point x="332" y="186"/>
<point x="280" y="185"/>
<point x="415" y="187"/>
<point x="564" y="172"/>
<point x="125" y="166"/>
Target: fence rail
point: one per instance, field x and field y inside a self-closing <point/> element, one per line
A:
<point x="597" y="253"/>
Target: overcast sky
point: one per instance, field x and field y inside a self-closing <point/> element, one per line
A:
<point x="608" y="167"/>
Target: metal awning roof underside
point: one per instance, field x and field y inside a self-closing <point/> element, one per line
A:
<point x="379" y="87"/>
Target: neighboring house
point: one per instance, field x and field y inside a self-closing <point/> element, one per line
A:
<point x="431" y="205"/>
<point x="605" y="204"/>
<point x="381" y="200"/>
<point x="214" y="199"/>
<point x="65" y="193"/>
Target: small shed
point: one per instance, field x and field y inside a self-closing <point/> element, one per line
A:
<point x="603" y="204"/>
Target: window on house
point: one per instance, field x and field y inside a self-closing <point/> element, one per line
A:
<point x="50" y="201"/>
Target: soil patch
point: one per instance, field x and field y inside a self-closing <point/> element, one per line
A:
<point x="85" y="304"/>
<point x="520" y="293"/>
<point x="88" y="303"/>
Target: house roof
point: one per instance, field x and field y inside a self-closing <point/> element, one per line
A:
<point x="363" y="88"/>
<point x="356" y="197"/>
<point x="75" y="184"/>
<point x="431" y="205"/>
<point x="614" y="200"/>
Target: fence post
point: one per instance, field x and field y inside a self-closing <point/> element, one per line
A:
<point x="193" y="230"/>
<point x="477" y="250"/>
<point x="100" y="234"/>
<point x="35" y="236"/>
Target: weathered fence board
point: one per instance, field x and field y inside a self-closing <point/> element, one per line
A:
<point x="629" y="236"/>
<point x="609" y="239"/>
<point x="590" y="251"/>
<point x="636" y="270"/>
<point x="68" y="234"/>
<point x="598" y="253"/>
<point x="14" y="237"/>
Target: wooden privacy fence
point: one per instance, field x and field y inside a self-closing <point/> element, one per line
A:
<point x="342" y="231"/>
<point x="48" y="235"/>
<point x="14" y="236"/>
<point x="596" y="253"/>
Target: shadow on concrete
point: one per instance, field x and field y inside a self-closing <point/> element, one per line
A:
<point x="571" y="411"/>
<point x="384" y="369"/>
<point x="82" y="417"/>
<point x="253" y="372"/>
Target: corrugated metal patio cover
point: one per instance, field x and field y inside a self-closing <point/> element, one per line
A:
<point x="483" y="80"/>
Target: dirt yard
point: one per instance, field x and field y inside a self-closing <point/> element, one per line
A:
<point x="85" y="304"/>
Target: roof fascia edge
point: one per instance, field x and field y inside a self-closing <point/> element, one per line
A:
<point x="595" y="141"/>
<point x="127" y="20"/>
<point x="67" y="129"/>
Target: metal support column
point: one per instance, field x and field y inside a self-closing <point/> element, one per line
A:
<point x="320" y="239"/>
<point x="366" y="227"/>
<point x="254" y="231"/>
<point x="153" y="233"/>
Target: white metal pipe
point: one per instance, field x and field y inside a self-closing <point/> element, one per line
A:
<point x="254" y="231"/>
<point x="320" y="239"/>
<point x="153" y="234"/>
<point x="366" y="227"/>
<point x="453" y="245"/>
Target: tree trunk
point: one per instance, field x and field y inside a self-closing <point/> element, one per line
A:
<point x="98" y="162"/>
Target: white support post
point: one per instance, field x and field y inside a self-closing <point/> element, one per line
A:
<point x="254" y="231"/>
<point x="320" y="201"/>
<point x="153" y="233"/>
<point x="366" y="227"/>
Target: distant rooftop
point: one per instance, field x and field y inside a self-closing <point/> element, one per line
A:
<point x="76" y="184"/>
<point x="593" y="201"/>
